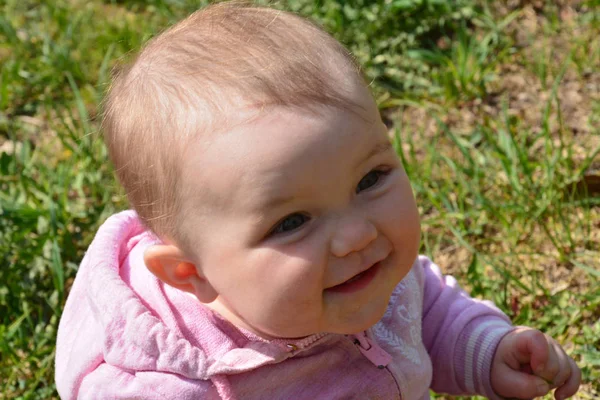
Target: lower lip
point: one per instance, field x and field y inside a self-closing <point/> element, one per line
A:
<point x="358" y="284"/>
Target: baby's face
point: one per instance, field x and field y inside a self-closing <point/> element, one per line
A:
<point x="304" y="223"/>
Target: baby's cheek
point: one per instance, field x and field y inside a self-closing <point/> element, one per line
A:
<point x="403" y="224"/>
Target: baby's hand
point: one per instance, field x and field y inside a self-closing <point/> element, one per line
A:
<point x="528" y="364"/>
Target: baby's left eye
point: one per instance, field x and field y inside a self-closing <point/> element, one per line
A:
<point x="371" y="179"/>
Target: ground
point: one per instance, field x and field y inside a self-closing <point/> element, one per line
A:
<point x="498" y="127"/>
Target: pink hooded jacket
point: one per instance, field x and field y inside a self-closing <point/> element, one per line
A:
<point x="124" y="334"/>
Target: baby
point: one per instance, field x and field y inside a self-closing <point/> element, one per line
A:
<point x="272" y="253"/>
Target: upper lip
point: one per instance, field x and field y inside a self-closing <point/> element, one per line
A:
<point x="363" y="269"/>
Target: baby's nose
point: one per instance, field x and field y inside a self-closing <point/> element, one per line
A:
<point x="352" y="233"/>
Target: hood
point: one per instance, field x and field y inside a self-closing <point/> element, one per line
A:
<point x="119" y="313"/>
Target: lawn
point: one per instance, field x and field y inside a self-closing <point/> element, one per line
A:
<point x="494" y="108"/>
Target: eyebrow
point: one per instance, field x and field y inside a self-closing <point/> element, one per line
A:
<point x="378" y="149"/>
<point x="278" y="202"/>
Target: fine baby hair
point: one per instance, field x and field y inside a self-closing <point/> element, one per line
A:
<point x="272" y="248"/>
<point x="190" y="81"/>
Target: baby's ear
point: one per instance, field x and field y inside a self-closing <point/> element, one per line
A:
<point x="169" y="264"/>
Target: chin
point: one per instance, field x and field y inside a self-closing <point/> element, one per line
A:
<point x="376" y="315"/>
<point x="380" y="305"/>
<point x="365" y="318"/>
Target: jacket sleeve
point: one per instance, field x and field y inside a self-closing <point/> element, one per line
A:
<point x="110" y="382"/>
<point x="461" y="335"/>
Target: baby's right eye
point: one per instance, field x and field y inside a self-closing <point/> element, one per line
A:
<point x="289" y="223"/>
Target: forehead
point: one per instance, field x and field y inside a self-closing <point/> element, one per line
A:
<point x="280" y="151"/>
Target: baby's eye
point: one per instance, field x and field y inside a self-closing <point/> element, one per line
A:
<point x="289" y="223"/>
<point x="371" y="179"/>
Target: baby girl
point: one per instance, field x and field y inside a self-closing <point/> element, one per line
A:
<point x="273" y="250"/>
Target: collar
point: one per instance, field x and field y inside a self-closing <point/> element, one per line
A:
<point x="147" y="325"/>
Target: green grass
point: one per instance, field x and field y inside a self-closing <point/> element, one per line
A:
<point x="496" y="143"/>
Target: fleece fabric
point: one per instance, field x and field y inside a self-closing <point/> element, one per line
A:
<point x="126" y="335"/>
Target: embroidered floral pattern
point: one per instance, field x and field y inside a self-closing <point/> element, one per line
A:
<point x="400" y="327"/>
<point x="399" y="334"/>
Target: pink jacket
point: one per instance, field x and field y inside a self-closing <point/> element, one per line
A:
<point x="124" y="334"/>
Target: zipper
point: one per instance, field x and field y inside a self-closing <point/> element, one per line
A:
<point x="305" y="342"/>
<point x="371" y="350"/>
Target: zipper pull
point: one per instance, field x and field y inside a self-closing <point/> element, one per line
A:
<point x="370" y="349"/>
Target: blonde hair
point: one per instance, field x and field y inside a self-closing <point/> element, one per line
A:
<point x="186" y="80"/>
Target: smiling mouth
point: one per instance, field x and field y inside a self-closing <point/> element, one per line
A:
<point x="357" y="282"/>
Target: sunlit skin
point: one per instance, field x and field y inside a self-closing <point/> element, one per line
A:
<point x="283" y="208"/>
<point x="300" y="202"/>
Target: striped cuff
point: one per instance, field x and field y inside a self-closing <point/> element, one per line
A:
<point x="479" y="339"/>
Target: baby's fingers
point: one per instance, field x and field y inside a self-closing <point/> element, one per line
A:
<point x="570" y="387"/>
<point x="518" y="385"/>
<point x="560" y="368"/>
<point x="533" y="348"/>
